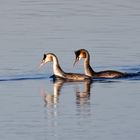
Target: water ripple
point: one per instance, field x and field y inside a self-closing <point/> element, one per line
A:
<point x="129" y="76"/>
<point x="23" y="77"/>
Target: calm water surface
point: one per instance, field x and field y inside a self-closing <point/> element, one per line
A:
<point x="32" y="106"/>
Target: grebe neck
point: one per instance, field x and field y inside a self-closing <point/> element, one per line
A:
<point x="88" y="70"/>
<point x="56" y="67"/>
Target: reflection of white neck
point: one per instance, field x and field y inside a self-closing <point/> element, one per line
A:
<point x="55" y="91"/>
<point x="55" y="97"/>
<point x="56" y="67"/>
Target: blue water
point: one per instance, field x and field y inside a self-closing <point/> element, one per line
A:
<point x="33" y="106"/>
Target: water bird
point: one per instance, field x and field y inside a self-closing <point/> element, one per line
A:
<point x="58" y="72"/>
<point x="82" y="53"/>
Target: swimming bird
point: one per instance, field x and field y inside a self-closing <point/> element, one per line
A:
<point x="82" y="53"/>
<point x="58" y="72"/>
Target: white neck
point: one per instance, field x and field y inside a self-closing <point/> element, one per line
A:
<point x="56" y="67"/>
<point x="88" y="70"/>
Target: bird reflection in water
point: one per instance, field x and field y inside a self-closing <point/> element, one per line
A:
<point x="83" y="100"/>
<point x="83" y="96"/>
<point x="52" y="99"/>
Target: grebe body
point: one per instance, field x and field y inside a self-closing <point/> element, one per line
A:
<point x="82" y="53"/>
<point x="59" y="73"/>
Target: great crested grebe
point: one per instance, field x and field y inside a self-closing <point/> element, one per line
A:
<point x="82" y="53"/>
<point x="58" y="72"/>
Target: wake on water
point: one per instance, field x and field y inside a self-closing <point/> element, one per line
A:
<point x="23" y="77"/>
<point x="132" y="73"/>
<point x="37" y="76"/>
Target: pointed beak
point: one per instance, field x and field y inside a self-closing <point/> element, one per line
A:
<point x="41" y="64"/>
<point x="76" y="61"/>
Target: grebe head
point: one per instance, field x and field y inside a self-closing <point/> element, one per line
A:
<point x="47" y="58"/>
<point x="82" y="53"/>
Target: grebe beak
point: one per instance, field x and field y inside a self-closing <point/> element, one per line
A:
<point x="77" y="58"/>
<point x="41" y="64"/>
<point x="76" y="61"/>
